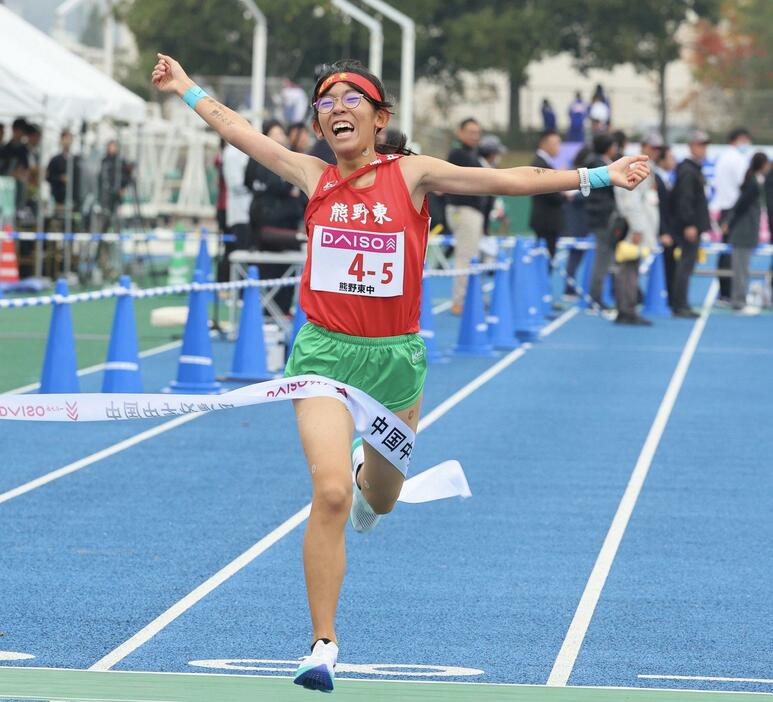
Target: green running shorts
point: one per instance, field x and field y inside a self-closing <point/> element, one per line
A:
<point x="391" y="369"/>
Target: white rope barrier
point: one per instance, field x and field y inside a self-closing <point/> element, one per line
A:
<point x="113" y="236"/>
<point x="472" y="270"/>
<point x="119" y="291"/>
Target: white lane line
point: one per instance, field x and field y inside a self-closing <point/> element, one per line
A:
<point x="101" y="698"/>
<point x="94" y="457"/>
<point x="148" y="632"/>
<point x="144" y="635"/>
<point x="98" y="367"/>
<point x="189" y="676"/>
<point x="567" y="656"/>
<point x="762" y="681"/>
<point x="494" y="370"/>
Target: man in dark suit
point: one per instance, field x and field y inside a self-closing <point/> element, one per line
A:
<point x="690" y="218"/>
<point x="547" y="211"/>
<point x="664" y="166"/>
<point x="599" y="208"/>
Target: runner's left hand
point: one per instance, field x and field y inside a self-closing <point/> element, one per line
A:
<point x="627" y="172"/>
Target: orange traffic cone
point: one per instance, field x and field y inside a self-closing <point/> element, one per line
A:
<point x="9" y="268"/>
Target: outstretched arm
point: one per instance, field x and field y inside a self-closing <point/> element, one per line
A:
<point x="429" y="174"/>
<point x="299" y="169"/>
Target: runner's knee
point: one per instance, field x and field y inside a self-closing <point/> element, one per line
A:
<point x="333" y="498"/>
<point x="381" y="504"/>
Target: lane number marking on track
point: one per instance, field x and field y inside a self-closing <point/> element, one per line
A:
<point x="15" y="656"/>
<point x="414" y="670"/>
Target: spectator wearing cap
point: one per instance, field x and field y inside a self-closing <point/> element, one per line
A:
<point x="600" y="209"/>
<point x="729" y="172"/>
<point x="664" y="170"/>
<point x="640" y="211"/>
<point x="691" y="217"/>
<point x="464" y="213"/>
<point x="547" y="210"/>
<point x="491" y="150"/>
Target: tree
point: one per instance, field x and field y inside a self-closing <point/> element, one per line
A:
<point x="735" y="52"/>
<point x="214" y="37"/>
<point x="645" y="33"/>
<point x="462" y="35"/>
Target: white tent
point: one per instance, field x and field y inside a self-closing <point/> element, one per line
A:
<point x="39" y="78"/>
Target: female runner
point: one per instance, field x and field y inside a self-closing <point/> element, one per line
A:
<point x="367" y="223"/>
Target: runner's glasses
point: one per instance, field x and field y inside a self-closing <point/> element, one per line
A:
<point x="350" y="100"/>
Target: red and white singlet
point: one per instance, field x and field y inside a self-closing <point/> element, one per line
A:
<point x="365" y="254"/>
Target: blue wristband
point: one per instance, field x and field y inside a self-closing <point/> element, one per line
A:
<point x="193" y="95"/>
<point x="599" y="177"/>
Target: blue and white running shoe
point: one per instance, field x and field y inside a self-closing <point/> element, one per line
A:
<point x="316" y="672"/>
<point x="362" y="516"/>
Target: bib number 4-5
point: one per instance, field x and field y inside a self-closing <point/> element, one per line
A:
<point x="357" y="270"/>
<point x="357" y="262"/>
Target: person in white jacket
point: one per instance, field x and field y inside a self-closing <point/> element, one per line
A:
<point x="641" y="213"/>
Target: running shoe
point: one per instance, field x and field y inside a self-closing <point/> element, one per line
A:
<point x="362" y="516"/>
<point x="316" y="671"/>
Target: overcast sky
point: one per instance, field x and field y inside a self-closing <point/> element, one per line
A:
<point x="41" y="12"/>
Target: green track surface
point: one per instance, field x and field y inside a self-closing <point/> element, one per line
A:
<point x="72" y="685"/>
<point x="23" y="334"/>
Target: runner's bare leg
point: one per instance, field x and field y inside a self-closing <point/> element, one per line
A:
<point x="378" y="479"/>
<point x="325" y="427"/>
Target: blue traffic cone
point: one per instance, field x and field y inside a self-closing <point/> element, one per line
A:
<point x="427" y="324"/>
<point x="122" y="369"/>
<point x="60" y="367"/>
<point x="196" y="369"/>
<point x="500" y="320"/>
<point x="543" y="278"/>
<point x="587" y="273"/>
<point x="249" y="361"/>
<point x="204" y="263"/>
<point x="473" y="330"/>
<point x="521" y="244"/>
<point x="527" y="313"/>
<point x="656" y="297"/>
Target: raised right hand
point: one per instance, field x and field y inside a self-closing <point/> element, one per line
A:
<point x="169" y="76"/>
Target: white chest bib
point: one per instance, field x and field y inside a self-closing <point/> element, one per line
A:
<point x="355" y="262"/>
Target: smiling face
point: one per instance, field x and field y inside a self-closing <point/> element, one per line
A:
<point x="349" y="130"/>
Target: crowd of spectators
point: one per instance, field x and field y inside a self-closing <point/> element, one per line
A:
<point x="668" y="212"/>
<point x="81" y="198"/>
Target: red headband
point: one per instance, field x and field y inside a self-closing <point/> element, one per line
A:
<point x="355" y="79"/>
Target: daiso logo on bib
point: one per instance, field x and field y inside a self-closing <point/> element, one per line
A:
<point x="356" y="262"/>
<point x="369" y="241"/>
